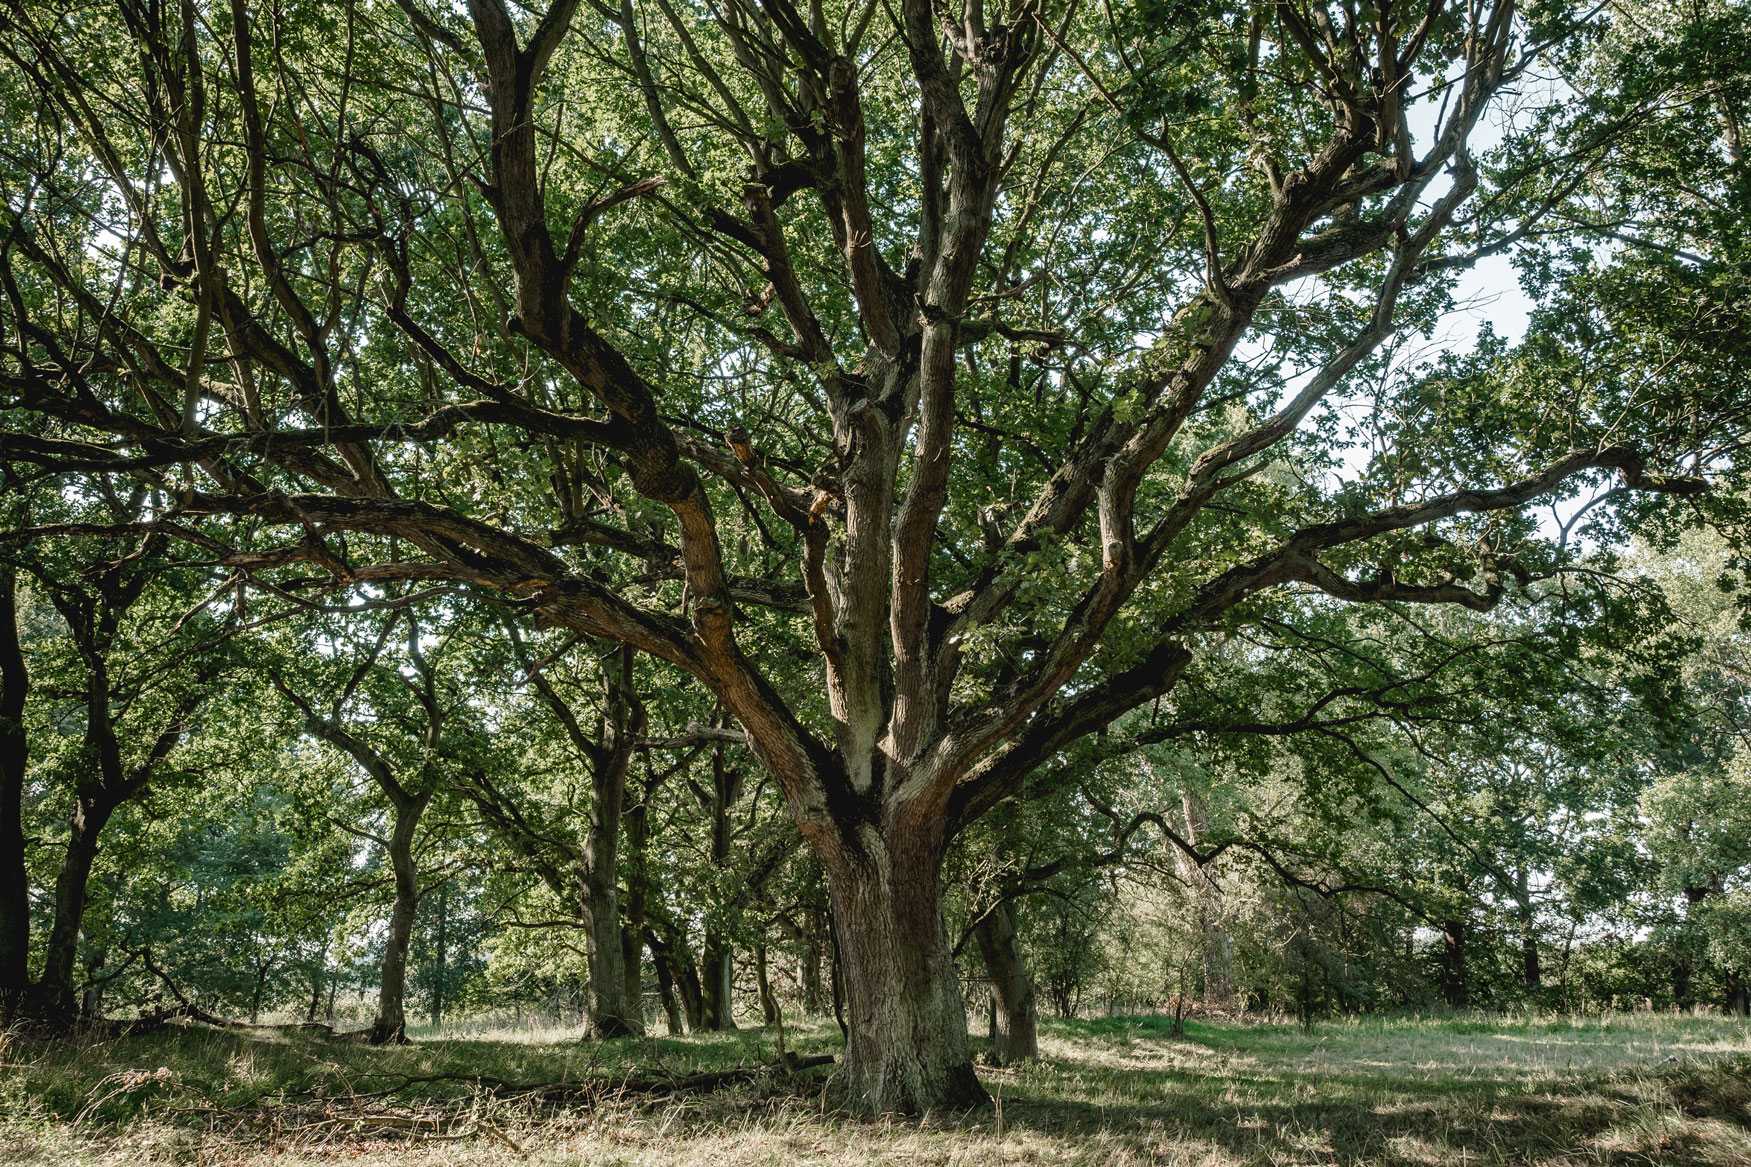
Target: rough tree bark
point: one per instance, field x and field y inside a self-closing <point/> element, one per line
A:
<point x="615" y="1009"/>
<point x="908" y="1026"/>
<point x="1016" y="1035"/>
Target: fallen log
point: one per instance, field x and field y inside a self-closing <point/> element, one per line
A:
<point x="603" y="1087"/>
<point x="685" y="1084"/>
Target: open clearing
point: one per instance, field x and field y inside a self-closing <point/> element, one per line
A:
<point x="1622" y="1089"/>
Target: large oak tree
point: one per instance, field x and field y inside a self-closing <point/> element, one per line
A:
<point x="925" y="380"/>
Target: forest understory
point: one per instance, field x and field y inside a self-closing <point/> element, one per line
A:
<point x="1550" y="1090"/>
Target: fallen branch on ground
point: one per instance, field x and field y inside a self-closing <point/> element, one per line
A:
<point x="598" y="1087"/>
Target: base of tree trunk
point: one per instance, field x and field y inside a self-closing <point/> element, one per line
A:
<point x="41" y="1012"/>
<point x="906" y="1047"/>
<point x="607" y="1028"/>
<point x="903" y="1084"/>
<point x="383" y="1033"/>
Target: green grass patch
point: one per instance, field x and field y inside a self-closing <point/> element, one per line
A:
<point x="1362" y="1092"/>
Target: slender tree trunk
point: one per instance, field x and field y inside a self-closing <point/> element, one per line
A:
<point x="768" y="1000"/>
<point x="907" y="1043"/>
<point x="316" y="986"/>
<point x="443" y="956"/>
<point x="1530" y="973"/>
<point x="809" y="964"/>
<point x="1215" y="945"/>
<point x="611" y="1013"/>
<point x="672" y="1014"/>
<point x="836" y="974"/>
<point x="1455" y="989"/>
<point x="391" y="1024"/>
<point x="668" y="949"/>
<point x="54" y="993"/>
<point x="717" y="964"/>
<point x="637" y="825"/>
<point x="1015" y="1035"/>
<point x="91" y="1003"/>
<point x="14" y="760"/>
<point x="97" y="949"/>
<point x="260" y="990"/>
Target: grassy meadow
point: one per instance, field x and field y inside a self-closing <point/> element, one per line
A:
<point x="1620" y="1090"/>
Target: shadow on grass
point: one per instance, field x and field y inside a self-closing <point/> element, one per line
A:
<point x="1288" y="1110"/>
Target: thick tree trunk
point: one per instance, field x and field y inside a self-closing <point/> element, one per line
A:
<point x="717" y="985"/>
<point x="391" y="1024"/>
<point x="907" y="1044"/>
<point x="1530" y="970"/>
<point x="14" y="760"/>
<point x="609" y="1014"/>
<point x="1015" y="1031"/>
<point x="1681" y="984"/>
